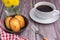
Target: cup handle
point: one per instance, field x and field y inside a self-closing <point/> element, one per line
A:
<point x="56" y="12"/>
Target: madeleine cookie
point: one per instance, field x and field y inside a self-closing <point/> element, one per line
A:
<point x="21" y="20"/>
<point x="15" y="25"/>
<point x="7" y="22"/>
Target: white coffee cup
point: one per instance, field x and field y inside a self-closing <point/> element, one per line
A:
<point x="45" y="15"/>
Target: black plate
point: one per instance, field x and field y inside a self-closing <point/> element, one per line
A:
<point x="10" y="31"/>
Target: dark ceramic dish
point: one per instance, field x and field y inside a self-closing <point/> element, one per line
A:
<point x="10" y="31"/>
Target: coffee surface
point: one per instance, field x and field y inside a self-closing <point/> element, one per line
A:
<point x="44" y="8"/>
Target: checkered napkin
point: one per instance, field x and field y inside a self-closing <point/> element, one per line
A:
<point x="7" y="36"/>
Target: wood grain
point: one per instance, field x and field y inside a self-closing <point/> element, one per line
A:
<point x="25" y="9"/>
<point x="57" y="25"/>
<point x="51" y="31"/>
<point x="1" y="8"/>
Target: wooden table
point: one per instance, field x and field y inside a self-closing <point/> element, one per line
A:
<point x="51" y="31"/>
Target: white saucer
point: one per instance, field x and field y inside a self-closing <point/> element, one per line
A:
<point x="43" y="21"/>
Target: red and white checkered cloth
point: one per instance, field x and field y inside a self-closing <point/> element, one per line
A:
<point x="7" y="36"/>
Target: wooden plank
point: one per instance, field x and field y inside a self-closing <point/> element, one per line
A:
<point x="51" y="31"/>
<point x="1" y="7"/>
<point x="57" y="25"/>
<point x="47" y="30"/>
<point x="26" y="6"/>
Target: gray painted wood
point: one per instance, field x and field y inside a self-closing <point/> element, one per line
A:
<point x="1" y="7"/>
<point x="51" y="31"/>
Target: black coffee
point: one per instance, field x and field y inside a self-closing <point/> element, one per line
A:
<point x="44" y="8"/>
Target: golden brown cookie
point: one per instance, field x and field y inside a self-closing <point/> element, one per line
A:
<point x="21" y="19"/>
<point x="15" y="25"/>
<point x="7" y="22"/>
